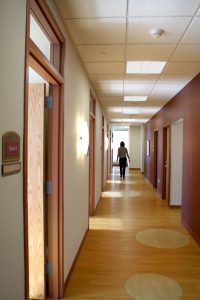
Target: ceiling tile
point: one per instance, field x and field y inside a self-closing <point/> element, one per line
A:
<point x="112" y="99"/>
<point x="163" y="7"/>
<point x="141" y="78"/>
<point x="181" y="68"/>
<point x="92" y="8"/>
<point x="185" y="53"/>
<point x="109" y="88"/>
<point x="105" y="68"/>
<point x="192" y="35"/>
<point x="98" y="79"/>
<point x="95" y="53"/>
<point x="173" y="79"/>
<point x="139" y="29"/>
<point x="97" y="31"/>
<point x="149" y="52"/>
<point x="165" y="91"/>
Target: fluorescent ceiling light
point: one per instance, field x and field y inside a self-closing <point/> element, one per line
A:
<point x="135" y="98"/>
<point x="131" y="110"/>
<point x="128" y="120"/>
<point x="145" y="67"/>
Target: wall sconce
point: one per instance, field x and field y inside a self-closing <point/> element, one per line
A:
<point x="84" y="138"/>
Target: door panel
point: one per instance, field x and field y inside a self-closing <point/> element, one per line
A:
<point x="91" y="168"/>
<point x="166" y="164"/>
<point x="35" y="191"/>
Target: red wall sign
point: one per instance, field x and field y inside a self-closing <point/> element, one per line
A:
<point x="12" y="148"/>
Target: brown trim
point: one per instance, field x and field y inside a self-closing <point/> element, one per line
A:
<point x="35" y="59"/>
<point x="167" y="158"/>
<point x="40" y="17"/>
<point x="75" y="261"/>
<point x="44" y="62"/>
<point x="60" y="192"/>
<point x="195" y="237"/>
<point x="92" y="115"/>
<point x="52" y="21"/>
<point x="134" y="168"/>
<point x="39" y="69"/>
<point x="174" y="206"/>
<point x="155" y="158"/>
<point x="25" y="154"/>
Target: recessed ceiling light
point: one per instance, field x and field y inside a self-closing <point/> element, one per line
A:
<point x="135" y="98"/>
<point x="145" y="67"/>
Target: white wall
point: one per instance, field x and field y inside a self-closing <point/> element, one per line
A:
<point x="176" y="163"/>
<point x="135" y="143"/>
<point x="12" y="57"/>
<point x="76" y="166"/>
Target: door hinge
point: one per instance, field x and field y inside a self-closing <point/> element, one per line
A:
<point x="48" y="102"/>
<point x="48" y="268"/>
<point x="48" y="187"/>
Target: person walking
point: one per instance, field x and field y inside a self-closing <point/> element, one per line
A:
<point x="122" y="155"/>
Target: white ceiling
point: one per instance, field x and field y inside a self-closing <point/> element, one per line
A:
<point x="107" y="33"/>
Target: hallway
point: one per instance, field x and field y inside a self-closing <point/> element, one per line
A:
<point x="111" y="253"/>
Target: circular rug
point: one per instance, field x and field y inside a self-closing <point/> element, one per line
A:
<point x="162" y="238"/>
<point x="149" y="286"/>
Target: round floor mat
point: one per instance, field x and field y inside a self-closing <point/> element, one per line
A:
<point x="121" y="194"/>
<point x="162" y="238"/>
<point x="147" y="286"/>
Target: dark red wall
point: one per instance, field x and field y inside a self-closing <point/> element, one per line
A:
<point x="185" y="105"/>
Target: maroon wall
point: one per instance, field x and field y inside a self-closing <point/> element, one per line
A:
<point x="184" y="105"/>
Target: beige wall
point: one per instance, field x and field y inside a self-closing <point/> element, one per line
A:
<point x="135" y="143"/>
<point x="76" y="166"/>
<point x="12" y="51"/>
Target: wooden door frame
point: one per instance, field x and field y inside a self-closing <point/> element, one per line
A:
<point x="166" y="153"/>
<point x="92" y="168"/>
<point x="52" y="71"/>
<point x="155" y="161"/>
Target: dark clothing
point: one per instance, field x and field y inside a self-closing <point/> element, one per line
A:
<point x="122" y="165"/>
<point x="122" y="155"/>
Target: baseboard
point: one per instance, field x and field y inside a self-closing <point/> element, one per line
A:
<point x="74" y="262"/>
<point x="174" y="206"/>
<point x="97" y="206"/>
<point x="134" y="168"/>
<point x="195" y="237"/>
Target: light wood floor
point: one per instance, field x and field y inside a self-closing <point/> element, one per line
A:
<point x="111" y="254"/>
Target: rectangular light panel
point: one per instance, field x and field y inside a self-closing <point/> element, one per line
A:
<point x="145" y="67"/>
<point x="135" y="98"/>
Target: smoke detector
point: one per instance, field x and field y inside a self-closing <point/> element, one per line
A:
<point x="156" y="33"/>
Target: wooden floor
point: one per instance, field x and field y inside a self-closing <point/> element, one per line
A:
<point x="111" y="253"/>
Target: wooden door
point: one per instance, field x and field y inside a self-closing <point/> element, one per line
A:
<point x="166" y="163"/>
<point x="35" y="201"/>
<point x="91" y="167"/>
<point x="155" y="182"/>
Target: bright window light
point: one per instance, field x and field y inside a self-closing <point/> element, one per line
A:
<point x="145" y="67"/>
<point x="135" y="98"/>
